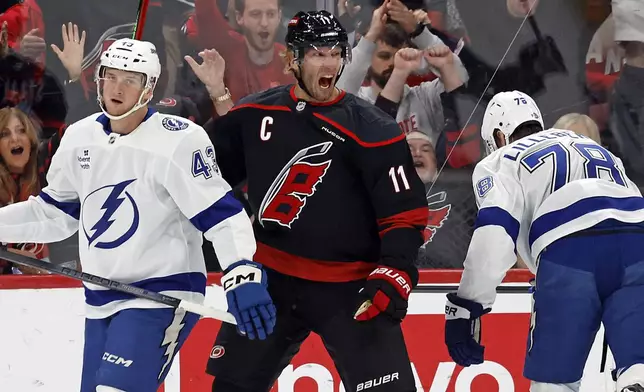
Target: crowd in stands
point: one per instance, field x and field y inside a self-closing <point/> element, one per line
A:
<point x="581" y="60"/>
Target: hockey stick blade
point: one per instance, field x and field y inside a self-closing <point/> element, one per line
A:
<point x="192" y="307"/>
<point x="363" y="308"/>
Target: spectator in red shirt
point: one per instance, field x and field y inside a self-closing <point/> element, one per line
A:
<point x="25" y="28"/>
<point x="253" y="61"/>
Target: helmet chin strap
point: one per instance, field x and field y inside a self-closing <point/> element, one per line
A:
<point x="300" y="81"/>
<point x="133" y="109"/>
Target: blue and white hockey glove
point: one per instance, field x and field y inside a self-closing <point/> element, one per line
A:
<point x="463" y="330"/>
<point x="245" y="285"/>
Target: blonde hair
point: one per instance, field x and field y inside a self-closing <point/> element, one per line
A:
<point x="579" y="123"/>
<point x="288" y="58"/>
<point x="29" y="178"/>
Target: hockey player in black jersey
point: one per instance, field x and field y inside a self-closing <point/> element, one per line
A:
<point x="339" y="216"/>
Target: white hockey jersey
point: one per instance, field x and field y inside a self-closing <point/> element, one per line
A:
<point x="534" y="191"/>
<point x="140" y="202"/>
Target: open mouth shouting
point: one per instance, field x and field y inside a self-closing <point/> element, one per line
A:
<point x="325" y="81"/>
<point x="17" y="151"/>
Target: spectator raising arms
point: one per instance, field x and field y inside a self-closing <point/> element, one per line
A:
<point x="394" y="27"/>
<point x="24" y="160"/>
<point x="253" y="57"/>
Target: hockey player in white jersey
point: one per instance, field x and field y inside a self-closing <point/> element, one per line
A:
<point x="565" y="205"/>
<point x="141" y="187"/>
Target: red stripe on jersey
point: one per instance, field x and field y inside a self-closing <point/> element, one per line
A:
<point x="310" y="269"/>
<point x="329" y="103"/>
<point x="413" y="219"/>
<point x="355" y="137"/>
<point x="263" y="107"/>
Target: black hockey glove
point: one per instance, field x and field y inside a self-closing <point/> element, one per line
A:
<point x="386" y="293"/>
<point x="463" y="330"/>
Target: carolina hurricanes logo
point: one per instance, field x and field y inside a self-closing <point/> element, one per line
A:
<point x="296" y="182"/>
<point x="169" y="102"/>
<point x="437" y="216"/>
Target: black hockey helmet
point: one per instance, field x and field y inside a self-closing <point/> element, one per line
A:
<point x="316" y="29"/>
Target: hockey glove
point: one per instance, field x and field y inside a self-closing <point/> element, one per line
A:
<point x="463" y="330"/>
<point x="386" y="292"/>
<point x="245" y="285"/>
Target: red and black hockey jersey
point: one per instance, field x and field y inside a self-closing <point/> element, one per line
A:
<point x="332" y="186"/>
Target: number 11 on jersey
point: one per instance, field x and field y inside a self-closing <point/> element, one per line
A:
<point x="400" y="172"/>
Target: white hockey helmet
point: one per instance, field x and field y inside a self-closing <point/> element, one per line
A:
<point x="506" y="112"/>
<point x="129" y="55"/>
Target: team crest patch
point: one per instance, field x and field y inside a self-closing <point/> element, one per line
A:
<point x="484" y="186"/>
<point x="217" y="352"/>
<point x="170" y="102"/>
<point x="172" y="124"/>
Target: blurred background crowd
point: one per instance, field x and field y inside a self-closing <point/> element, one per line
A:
<point x="581" y="60"/>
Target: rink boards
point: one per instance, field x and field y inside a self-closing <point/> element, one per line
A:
<point x="41" y="325"/>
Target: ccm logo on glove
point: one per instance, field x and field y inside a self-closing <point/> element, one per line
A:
<point x="243" y="274"/>
<point x="246" y="286"/>
<point x="400" y="279"/>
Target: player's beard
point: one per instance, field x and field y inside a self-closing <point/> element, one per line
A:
<point x="261" y="42"/>
<point x="380" y="79"/>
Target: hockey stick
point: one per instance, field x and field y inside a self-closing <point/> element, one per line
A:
<point x="449" y="288"/>
<point x="204" y="311"/>
<point x="535" y="27"/>
<point x="141" y="14"/>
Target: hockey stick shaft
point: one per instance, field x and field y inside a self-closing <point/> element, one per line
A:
<point x="141" y="14"/>
<point x="535" y="28"/>
<point x="449" y="288"/>
<point x="192" y="307"/>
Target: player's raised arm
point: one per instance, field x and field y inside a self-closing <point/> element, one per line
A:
<point x="398" y="198"/>
<point x="49" y="217"/>
<point x="194" y="182"/>
<point x="492" y="250"/>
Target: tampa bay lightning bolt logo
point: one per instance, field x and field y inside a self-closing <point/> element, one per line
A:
<point x="110" y="216"/>
<point x="172" y="124"/>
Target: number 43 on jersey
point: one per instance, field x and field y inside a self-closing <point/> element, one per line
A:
<point x="204" y="166"/>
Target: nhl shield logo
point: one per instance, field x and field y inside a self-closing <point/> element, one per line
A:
<point x="300" y="106"/>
